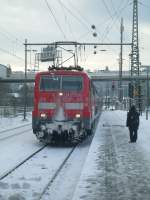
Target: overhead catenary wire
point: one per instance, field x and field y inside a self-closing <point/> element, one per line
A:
<point x="13" y="40"/>
<point x="66" y="19"/>
<point x="82" y="20"/>
<point x="79" y="13"/>
<point x="57" y="23"/>
<point x="85" y="20"/>
<point x="115" y="10"/>
<point x="99" y="25"/>
<point x="107" y="9"/>
<point x="111" y="16"/>
<point x="114" y="19"/>
<point x="75" y="16"/>
<point x="143" y="4"/>
<point x="109" y="27"/>
<point x="11" y="54"/>
<point x="11" y="36"/>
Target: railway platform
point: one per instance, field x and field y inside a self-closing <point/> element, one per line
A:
<point x="116" y="169"/>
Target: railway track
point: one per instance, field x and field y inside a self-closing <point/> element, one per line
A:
<point x="4" y="175"/>
<point x="34" y="158"/>
<point x="14" y="132"/>
<point x="56" y="173"/>
<point x="18" y="127"/>
<point x="8" y="172"/>
<point x="39" y="171"/>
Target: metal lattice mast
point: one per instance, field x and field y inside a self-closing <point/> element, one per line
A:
<point x="135" y="55"/>
<point x="121" y="61"/>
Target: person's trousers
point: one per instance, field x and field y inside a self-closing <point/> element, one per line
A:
<point x="133" y="134"/>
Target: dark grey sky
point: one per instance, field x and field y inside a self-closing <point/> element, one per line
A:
<point x="71" y="20"/>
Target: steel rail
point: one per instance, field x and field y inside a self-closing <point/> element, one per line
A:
<point x="56" y="173"/>
<point x="13" y="135"/>
<point x="5" y="174"/>
<point x="7" y="130"/>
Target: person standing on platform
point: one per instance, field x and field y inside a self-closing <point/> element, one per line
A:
<point x="133" y="123"/>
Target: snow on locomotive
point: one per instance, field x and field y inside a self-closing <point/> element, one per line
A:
<point x="65" y="105"/>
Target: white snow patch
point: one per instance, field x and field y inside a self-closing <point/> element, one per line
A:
<point x="7" y="123"/>
<point x="116" y="169"/>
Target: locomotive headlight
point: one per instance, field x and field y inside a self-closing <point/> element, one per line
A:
<point x="43" y="115"/>
<point x="60" y="94"/>
<point x="78" y="115"/>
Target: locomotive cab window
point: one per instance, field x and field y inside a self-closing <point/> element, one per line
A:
<point x="49" y="83"/>
<point x="57" y="83"/>
<point x="71" y="83"/>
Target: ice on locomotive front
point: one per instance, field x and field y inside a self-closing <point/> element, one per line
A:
<point x="62" y="106"/>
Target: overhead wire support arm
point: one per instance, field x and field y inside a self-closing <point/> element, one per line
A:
<point x="66" y="60"/>
<point x="79" y="43"/>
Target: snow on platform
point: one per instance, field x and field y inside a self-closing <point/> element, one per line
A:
<point x="116" y="169"/>
<point x="8" y="123"/>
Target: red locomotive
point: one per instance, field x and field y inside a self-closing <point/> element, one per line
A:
<point x="65" y="105"/>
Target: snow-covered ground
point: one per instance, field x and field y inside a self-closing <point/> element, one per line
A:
<point x="113" y="170"/>
<point x="30" y="180"/>
<point x="12" y="122"/>
<point x="116" y="169"/>
<point x="15" y="149"/>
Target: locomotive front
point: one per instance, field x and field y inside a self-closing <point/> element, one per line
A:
<point x="62" y="107"/>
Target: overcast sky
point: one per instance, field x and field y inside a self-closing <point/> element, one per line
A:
<point x="70" y="20"/>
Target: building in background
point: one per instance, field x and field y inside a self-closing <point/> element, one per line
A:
<point x="5" y="71"/>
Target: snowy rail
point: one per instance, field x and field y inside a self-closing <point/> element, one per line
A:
<point x="8" y="172"/>
<point x="14" y="131"/>
<point x="56" y="173"/>
<point x="64" y="153"/>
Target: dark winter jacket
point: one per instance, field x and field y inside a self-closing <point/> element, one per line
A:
<point x="132" y="118"/>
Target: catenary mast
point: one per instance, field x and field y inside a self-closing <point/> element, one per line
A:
<point x="135" y="67"/>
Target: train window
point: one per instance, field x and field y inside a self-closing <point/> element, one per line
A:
<point x="49" y="83"/>
<point x="71" y="83"/>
